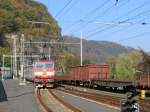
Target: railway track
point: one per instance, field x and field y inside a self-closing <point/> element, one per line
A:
<point x="94" y="90"/>
<point x="51" y="103"/>
<point x="106" y="99"/>
<point x="144" y="105"/>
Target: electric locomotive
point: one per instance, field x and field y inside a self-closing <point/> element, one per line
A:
<point x="44" y="73"/>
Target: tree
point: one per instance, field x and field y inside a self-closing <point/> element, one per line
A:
<point x="126" y="66"/>
<point x="111" y="60"/>
<point x="144" y="65"/>
<point x="14" y="15"/>
<point x="69" y="60"/>
<point x="5" y="51"/>
<point x="87" y="61"/>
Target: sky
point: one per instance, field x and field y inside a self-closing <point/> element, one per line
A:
<point x="126" y="22"/>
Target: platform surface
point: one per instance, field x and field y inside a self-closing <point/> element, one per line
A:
<point x="17" y="98"/>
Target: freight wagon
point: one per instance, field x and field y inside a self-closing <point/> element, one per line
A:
<point x="92" y="75"/>
<point x="142" y="81"/>
<point x="89" y="72"/>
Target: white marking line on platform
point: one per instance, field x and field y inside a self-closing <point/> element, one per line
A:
<point x="93" y="101"/>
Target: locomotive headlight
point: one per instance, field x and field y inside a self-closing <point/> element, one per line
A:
<point x="45" y="72"/>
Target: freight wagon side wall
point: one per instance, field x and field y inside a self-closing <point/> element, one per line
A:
<point x="143" y="81"/>
<point x="84" y="73"/>
<point x="79" y="73"/>
<point x="89" y="72"/>
<point x="99" y="72"/>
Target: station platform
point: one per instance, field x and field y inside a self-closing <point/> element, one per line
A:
<point x="17" y="98"/>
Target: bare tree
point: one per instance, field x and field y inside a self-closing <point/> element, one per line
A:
<point x="144" y="65"/>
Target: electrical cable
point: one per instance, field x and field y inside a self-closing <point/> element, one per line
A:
<point x="136" y="36"/>
<point x="66" y="5"/>
<point x="112" y="26"/>
<point x="90" y="13"/>
<point x="75" y="3"/>
<point x="102" y="14"/>
<point x="139" y="22"/>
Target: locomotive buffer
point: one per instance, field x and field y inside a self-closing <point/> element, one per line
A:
<point x="129" y="104"/>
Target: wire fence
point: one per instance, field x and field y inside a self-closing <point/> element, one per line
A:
<point x="5" y="73"/>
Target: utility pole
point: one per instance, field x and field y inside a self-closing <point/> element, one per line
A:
<point x="22" y="48"/>
<point x="81" y="48"/>
<point x="148" y="77"/>
<point x="49" y="53"/>
<point x="14" y="54"/>
<point x="11" y="66"/>
<point x="23" y="55"/>
<point x="22" y="62"/>
<point x="3" y="67"/>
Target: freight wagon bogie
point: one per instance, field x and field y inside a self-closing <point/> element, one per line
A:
<point x="114" y="84"/>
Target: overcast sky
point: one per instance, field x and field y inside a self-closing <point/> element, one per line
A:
<point x="122" y="21"/>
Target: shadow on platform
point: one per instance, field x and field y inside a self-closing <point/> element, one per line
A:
<point x="3" y="95"/>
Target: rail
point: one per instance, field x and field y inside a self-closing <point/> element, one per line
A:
<point x="74" y="109"/>
<point x="46" y="107"/>
<point x="49" y="108"/>
<point x="106" y="99"/>
<point x="42" y="101"/>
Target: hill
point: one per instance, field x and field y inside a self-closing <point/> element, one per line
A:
<point x="16" y="17"/>
<point x="16" y="14"/>
<point x="97" y="51"/>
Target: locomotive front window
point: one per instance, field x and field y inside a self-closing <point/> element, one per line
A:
<point x="49" y="65"/>
<point x="39" y="66"/>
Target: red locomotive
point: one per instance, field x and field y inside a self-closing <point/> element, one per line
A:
<point x="44" y="73"/>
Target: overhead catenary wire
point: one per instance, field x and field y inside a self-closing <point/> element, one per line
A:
<point x="71" y="6"/>
<point x="66" y="5"/>
<point x="132" y="18"/>
<point x="86" y="24"/>
<point x="136" y="36"/>
<point x="116" y="2"/>
<point x="90" y="13"/>
<point x="100" y="15"/>
<point x="112" y="26"/>
<point x="132" y="10"/>
<point x="140" y="22"/>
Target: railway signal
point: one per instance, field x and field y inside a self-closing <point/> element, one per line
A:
<point x="129" y="104"/>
